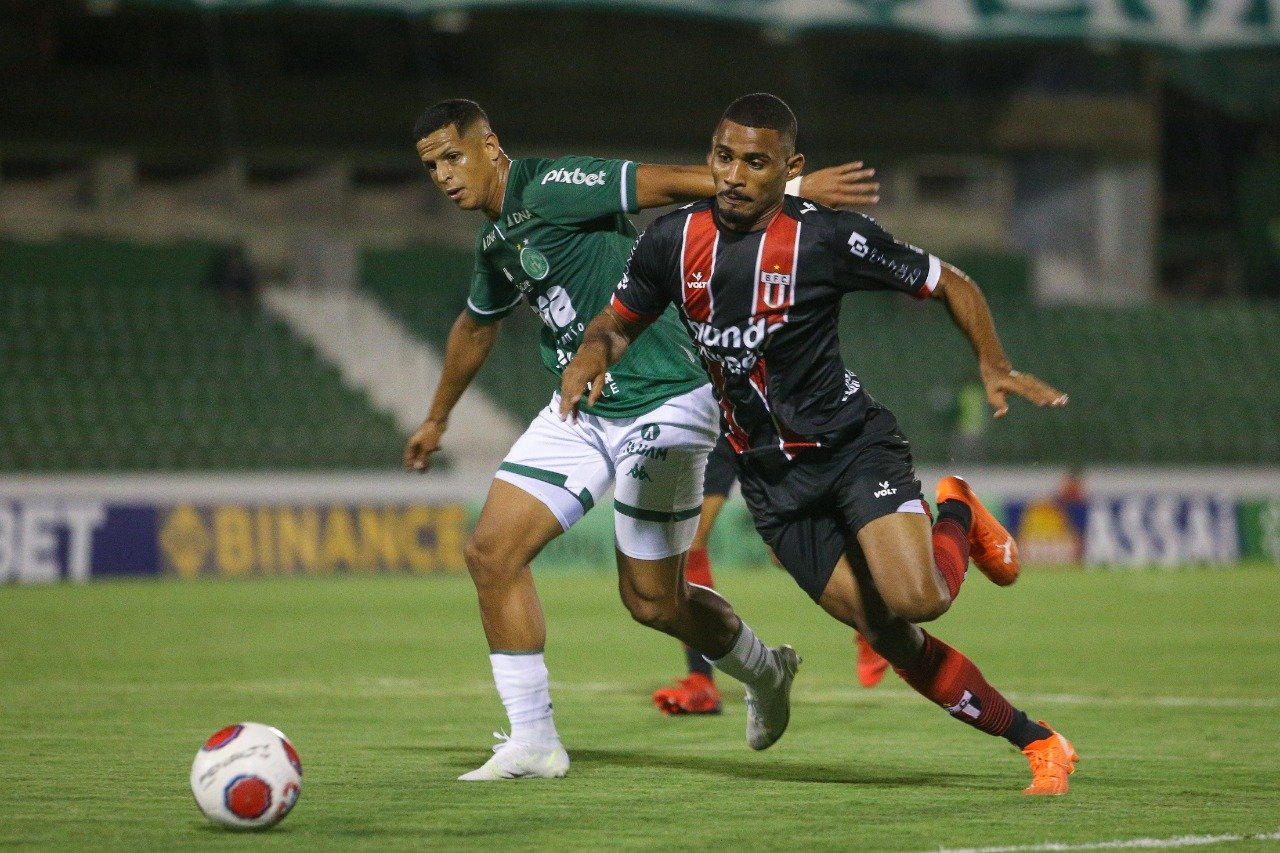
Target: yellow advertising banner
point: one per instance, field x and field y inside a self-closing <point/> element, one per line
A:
<point x="231" y="540"/>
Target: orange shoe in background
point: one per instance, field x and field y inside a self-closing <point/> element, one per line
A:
<point x="871" y="665"/>
<point x="1052" y="759"/>
<point x="696" y="694"/>
<point x="991" y="547"/>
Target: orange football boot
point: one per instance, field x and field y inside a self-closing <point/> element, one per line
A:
<point x="696" y="694"/>
<point x="991" y="547"/>
<point x="871" y="665"/>
<point x="1052" y="759"/>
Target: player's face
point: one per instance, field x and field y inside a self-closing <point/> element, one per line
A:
<point x="464" y="166"/>
<point x="751" y="167"/>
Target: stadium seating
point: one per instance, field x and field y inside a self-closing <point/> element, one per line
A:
<point x="120" y="357"/>
<point x="1191" y="383"/>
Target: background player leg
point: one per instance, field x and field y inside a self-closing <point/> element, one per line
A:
<point x="697" y="692"/>
<point x="513" y="527"/>
<point x="656" y="594"/>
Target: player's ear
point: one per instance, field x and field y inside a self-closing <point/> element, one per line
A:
<point x="492" y="146"/>
<point x="795" y="165"/>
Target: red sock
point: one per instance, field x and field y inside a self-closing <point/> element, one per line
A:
<point x="951" y="552"/>
<point x="943" y="675"/>
<point x="698" y="568"/>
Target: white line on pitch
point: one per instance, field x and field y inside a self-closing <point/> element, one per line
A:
<point x="426" y="687"/>
<point x="1130" y="843"/>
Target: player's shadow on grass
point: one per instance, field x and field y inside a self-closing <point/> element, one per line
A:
<point x="765" y="770"/>
<point x="757" y="769"/>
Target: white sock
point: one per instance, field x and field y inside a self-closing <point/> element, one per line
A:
<point x="750" y="661"/>
<point x="525" y="689"/>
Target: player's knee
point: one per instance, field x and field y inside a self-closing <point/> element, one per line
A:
<point x="921" y="602"/>
<point x="661" y="614"/>
<point x="485" y="562"/>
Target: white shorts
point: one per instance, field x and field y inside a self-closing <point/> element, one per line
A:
<point x="657" y="460"/>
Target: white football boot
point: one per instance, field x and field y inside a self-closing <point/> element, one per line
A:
<point x="517" y="760"/>
<point x="768" y="712"/>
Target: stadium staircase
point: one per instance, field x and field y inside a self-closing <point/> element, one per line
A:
<point x="426" y="289"/>
<point x="397" y="369"/>
<point x="122" y="357"/>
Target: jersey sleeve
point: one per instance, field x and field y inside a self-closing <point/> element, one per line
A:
<point x="491" y="297"/>
<point x="871" y="259"/>
<point x="579" y="189"/>
<point x="642" y="294"/>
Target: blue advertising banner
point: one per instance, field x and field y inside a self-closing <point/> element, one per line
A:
<point x="1133" y="530"/>
<point x="44" y="540"/>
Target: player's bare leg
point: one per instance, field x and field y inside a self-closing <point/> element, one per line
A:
<point x="513" y="527"/>
<point x="696" y="693"/>
<point x="934" y="669"/>
<point x="657" y="595"/>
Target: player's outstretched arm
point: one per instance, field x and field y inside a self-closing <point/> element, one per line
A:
<point x="846" y="185"/>
<point x="605" y="340"/>
<point x="470" y="343"/>
<point x="970" y="313"/>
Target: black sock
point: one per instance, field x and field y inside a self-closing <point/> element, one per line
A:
<point x="1023" y="730"/>
<point x="957" y="510"/>
<point x="697" y="663"/>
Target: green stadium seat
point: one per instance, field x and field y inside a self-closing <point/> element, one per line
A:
<point x="117" y="357"/>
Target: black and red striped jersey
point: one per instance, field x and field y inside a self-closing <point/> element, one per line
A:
<point x="763" y="308"/>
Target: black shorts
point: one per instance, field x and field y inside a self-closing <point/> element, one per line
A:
<point x="721" y="469"/>
<point x="806" y="509"/>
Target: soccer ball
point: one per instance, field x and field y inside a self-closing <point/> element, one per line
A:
<point x="246" y="776"/>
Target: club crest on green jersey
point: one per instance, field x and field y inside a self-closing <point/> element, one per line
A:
<point x="534" y="263"/>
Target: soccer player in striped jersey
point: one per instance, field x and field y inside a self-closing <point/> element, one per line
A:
<point x="758" y="278"/>
<point x="556" y="237"/>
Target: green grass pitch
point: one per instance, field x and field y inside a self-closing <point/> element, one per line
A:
<point x="1167" y="682"/>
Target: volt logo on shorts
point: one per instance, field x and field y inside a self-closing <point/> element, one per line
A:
<point x="637" y="471"/>
<point x="650" y="431"/>
<point x="577" y="176"/>
<point x="968" y="706"/>
<point x="884" y="491"/>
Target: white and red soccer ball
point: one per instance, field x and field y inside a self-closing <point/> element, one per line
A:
<point x="246" y="776"/>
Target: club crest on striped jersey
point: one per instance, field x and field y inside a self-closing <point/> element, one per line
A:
<point x="776" y="290"/>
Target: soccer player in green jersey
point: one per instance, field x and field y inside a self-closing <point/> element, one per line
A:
<point x="556" y="236"/>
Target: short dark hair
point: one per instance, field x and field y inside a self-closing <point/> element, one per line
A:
<point x="764" y="110"/>
<point x="459" y="112"/>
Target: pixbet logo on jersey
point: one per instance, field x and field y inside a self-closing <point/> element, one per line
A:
<point x="577" y="176"/>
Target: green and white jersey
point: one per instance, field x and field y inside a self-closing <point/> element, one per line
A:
<point x="561" y="245"/>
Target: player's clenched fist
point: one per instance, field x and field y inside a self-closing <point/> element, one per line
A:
<point x="423" y="443"/>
